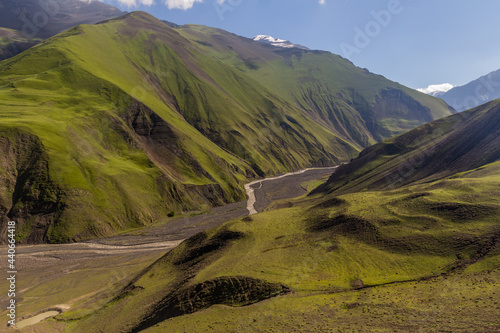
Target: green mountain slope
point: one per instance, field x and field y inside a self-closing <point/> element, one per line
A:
<point x="356" y="104"/>
<point x="135" y="120"/>
<point x="436" y="150"/>
<point x="409" y="259"/>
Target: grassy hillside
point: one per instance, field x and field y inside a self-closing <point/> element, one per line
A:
<point x="13" y="42"/>
<point x="354" y="103"/>
<point x="134" y="120"/>
<point x="405" y="259"/>
<point x="440" y="149"/>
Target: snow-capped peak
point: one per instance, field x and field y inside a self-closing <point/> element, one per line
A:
<point x="269" y="39"/>
<point x="277" y="42"/>
<point x="436" y="89"/>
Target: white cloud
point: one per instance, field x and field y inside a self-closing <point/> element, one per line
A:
<point x="182" y="4"/>
<point x="187" y="4"/>
<point x="129" y="3"/>
<point x="436" y="88"/>
<point x="321" y="2"/>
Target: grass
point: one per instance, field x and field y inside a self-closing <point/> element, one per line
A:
<point x="404" y="260"/>
<point x="389" y="260"/>
<point x="444" y="148"/>
<point x="456" y="303"/>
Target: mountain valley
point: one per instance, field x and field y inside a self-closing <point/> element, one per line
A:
<point x="182" y="178"/>
<point x="159" y="120"/>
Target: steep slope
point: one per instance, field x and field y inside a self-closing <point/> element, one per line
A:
<point x="359" y="106"/>
<point x="433" y="151"/>
<point x="475" y="93"/>
<point x="33" y="21"/>
<point x="137" y="120"/>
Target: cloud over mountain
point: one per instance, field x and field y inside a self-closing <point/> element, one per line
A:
<point x="181" y="4"/>
<point x="128" y="3"/>
<point x="436" y="89"/>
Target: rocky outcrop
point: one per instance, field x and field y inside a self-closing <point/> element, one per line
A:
<point x="29" y="196"/>
<point x="231" y="291"/>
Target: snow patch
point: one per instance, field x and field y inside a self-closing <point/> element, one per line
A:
<point x="278" y="42"/>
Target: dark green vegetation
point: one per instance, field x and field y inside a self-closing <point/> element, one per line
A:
<point x="25" y="23"/>
<point x="132" y="120"/>
<point x="422" y="256"/>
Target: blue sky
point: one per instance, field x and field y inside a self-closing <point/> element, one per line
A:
<point x="414" y="42"/>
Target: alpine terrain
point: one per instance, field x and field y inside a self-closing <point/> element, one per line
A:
<point x="409" y="253"/>
<point x="110" y="127"/>
<point x="157" y="177"/>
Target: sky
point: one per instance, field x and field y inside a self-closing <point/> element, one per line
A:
<point x="414" y="42"/>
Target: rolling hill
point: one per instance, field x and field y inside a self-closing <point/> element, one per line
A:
<point x="409" y="258"/>
<point x="112" y="126"/>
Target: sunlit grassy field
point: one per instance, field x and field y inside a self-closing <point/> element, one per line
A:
<point x="406" y="260"/>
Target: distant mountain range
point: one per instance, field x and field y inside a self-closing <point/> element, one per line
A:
<point x="25" y="23"/>
<point x="108" y="128"/>
<point x="475" y="93"/>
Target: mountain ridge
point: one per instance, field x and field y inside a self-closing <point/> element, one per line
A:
<point x="477" y="92"/>
<point x="277" y="42"/>
<point x="445" y="147"/>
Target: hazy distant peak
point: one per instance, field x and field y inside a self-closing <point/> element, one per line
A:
<point x="278" y="42"/>
<point x="436" y="89"/>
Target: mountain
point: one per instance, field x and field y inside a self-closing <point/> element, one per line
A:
<point x="475" y="93"/>
<point x="13" y="42"/>
<point x="346" y="257"/>
<point x="113" y="126"/>
<point x="25" y="23"/>
<point x="277" y="42"/>
<point x="445" y="147"/>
